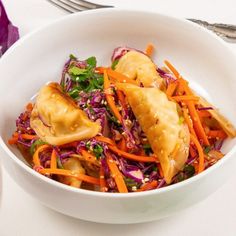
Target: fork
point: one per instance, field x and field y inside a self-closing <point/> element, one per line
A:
<point x="73" y="6"/>
<point x="225" y="31"/>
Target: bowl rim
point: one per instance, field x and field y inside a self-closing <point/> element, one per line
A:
<point x="61" y="186"/>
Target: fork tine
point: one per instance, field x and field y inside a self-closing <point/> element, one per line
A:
<point x="63" y="6"/>
<point x="77" y="6"/>
<point x="91" y="5"/>
<point x="73" y="6"/>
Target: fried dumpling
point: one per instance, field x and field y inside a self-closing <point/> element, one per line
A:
<point x="74" y="165"/>
<point x="139" y="67"/>
<point x="159" y="119"/>
<point x="224" y="123"/>
<point x="57" y="120"/>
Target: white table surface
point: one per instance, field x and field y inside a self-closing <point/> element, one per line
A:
<point x="22" y="215"/>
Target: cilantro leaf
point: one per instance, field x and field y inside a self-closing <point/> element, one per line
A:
<point x="92" y="62"/>
<point x="74" y="70"/>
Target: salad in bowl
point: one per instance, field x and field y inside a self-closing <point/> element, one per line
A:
<point x="130" y="127"/>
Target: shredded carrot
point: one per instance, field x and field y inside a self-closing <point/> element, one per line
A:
<point x="88" y="156"/>
<point x="13" y="140"/>
<point x="100" y="70"/>
<point x="116" y="174"/>
<point x="16" y="135"/>
<point x="197" y="123"/>
<point x="185" y="98"/>
<point x="29" y="107"/>
<point x="204" y="114"/>
<point x="217" y="134"/>
<point x="194" y="114"/>
<point x="188" y="121"/>
<point x="149" y="49"/>
<point x="172" y="68"/>
<point x="132" y="156"/>
<point x="148" y="186"/>
<point x="201" y="166"/>
<point x="36" y="159"/>
<point x="69" y="173"/>
<point x="191" y="106"/>
<point x="192" y="151"/>
<point x="171" y="88"/>
<point x="118" y="77"/>
<point x="110" y="99"/>
<point x="103" y="186"/>
<point x="28" y="136"/>
<point x="105" y="140"/>
<point x="160" y="170"/>
<point x="122" y="145"/>
<point x="53" y="164"/>
<point x="121" y="98"/>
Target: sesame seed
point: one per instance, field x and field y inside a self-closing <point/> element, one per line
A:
<point x="134" y="188"/>
<point x="146" y="179"/>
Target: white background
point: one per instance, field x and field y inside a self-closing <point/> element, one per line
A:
<point x="22" y="215"/>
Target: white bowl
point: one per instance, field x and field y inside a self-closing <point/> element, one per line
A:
<point x="37" y="58"/>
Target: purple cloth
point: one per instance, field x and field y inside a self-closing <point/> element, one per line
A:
<point x="9" y="34"/>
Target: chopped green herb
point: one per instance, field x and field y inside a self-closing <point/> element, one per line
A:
<point x="147" y="148"/>
<point x="97" y="150"/>
<point x="85" y="79"/>
<point x="189" y="171"/>
<point x="72" y="57"/>
<point x="74" y="93"/>
<point x="130" y="182"/>
<point x="112" y="118"/>
<point x="87" y="145"/>
<point x="207" y="149"/>
<point x="180" y="177"/>
<point x="114" y="63"/>
<point x="35" y="144"/>
<point x="59" y="164"/>
<point x="154" y="168"/>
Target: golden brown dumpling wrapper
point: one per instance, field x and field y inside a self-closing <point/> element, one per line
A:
<point x="74" y="165"/>
<point x="223" y="122"/>
<point x="57" y="120"/>
<point x="159" y="119"/>
<point x="139" y="67"/>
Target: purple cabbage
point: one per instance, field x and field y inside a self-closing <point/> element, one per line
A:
<point x="8" y="32"/>
<point x="130" y="171"/>
<point x="218" y="144"/>
<point x="166" y="76"/>
<point x="121" y="51"/>
<point x="162" y="183"/>
<point x="23" y="123"/>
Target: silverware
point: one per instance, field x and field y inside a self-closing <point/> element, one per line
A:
<point x="225" y="31"/>
<point x="73" y="6"/>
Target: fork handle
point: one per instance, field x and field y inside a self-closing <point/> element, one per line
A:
<point x="225" y="31"/>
